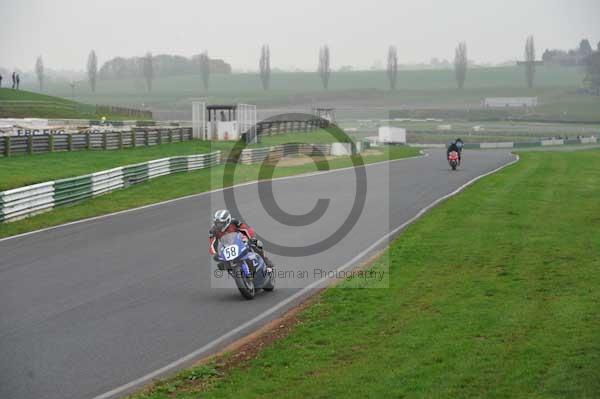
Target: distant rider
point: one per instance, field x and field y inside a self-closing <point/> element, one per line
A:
<point x="455" y="146"/>
<point x="460" y="144"/>
<point x="223" y="224"/>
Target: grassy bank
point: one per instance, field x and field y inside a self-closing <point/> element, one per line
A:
<point x="493" y="294"/>
<point x="179" y="185"/>
<point x="360" y="90"/>
<point x="28" y="104"/>
<point x="23" y="170"/>
<point x="247" y="86"/>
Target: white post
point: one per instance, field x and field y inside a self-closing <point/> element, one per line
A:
<point x="247" y="120"/>
<point x="199" y="120"/>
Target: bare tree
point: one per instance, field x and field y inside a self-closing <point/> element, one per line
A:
<point x="461" y="63"/>
<point x="593" y="72"/>
<point x="148" y="70"/>
<point x="92" y="69"/>
<point x="324" y="66"/>
<point x="585" y="49"/>
<point x="529" y="61"/>
<point x="392" y="66"/>
<point x="265" y="66"/>
<point x="204" y="62"/>
<point x="39" y="71"/>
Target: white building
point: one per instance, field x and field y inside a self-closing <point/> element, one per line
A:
<point x="510" y="102"/>
<point x="390" y="134"/>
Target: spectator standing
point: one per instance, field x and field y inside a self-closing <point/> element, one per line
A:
<point x="18" y="81"/>
<point x="0" y="81"/>
<point x="14" y="80"/>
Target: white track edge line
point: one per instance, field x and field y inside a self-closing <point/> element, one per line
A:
<point x="93" y="218"/>
<point x="188" y="358"/>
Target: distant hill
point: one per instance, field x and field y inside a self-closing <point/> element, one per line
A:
<point x="164" y="66"/>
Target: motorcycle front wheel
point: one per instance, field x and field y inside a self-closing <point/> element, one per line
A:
<point x="244" y="284"/>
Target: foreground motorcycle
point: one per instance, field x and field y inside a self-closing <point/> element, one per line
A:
<point x="453" y="160"/>
<point x="247" y="268"/>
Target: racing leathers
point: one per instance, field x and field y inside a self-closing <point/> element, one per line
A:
<point x="248" y="232"/>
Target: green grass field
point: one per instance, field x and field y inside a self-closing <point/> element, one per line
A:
<point x="492" y="294"/>
<point x="222" y="85"/>
<point x="29" y="104"/>
<point x="361" y="89"/>
<point x="23" y="170"/>
<point x="174" y="186"/>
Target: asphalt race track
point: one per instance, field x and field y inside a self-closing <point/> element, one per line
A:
<point x="88" y="307"/>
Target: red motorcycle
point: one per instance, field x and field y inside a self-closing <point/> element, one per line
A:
<point x="453" y="160"/>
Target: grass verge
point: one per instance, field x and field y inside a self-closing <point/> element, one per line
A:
<point x="23" y="170"/>
<point x="492" y="294"/>
<point x="179" y="185"/>
<point x="28" y="104"/>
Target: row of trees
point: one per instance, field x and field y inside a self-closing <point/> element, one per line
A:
<point x="461" y="64"/>
<point x="164" y="65"/>
<point x="577" y="56"/>
<point x="146" y="66"/>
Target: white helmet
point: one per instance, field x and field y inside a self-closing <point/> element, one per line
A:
<point x="222" y="219"/>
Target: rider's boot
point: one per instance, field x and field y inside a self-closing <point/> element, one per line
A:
<point x="268" y="262"/>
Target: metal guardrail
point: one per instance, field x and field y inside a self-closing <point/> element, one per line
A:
<point x="22" y="145"/>
<point x="23" y="202"/>
<point x="516" y="144"/>
<point x="526" y="144"/>
<point x="26" y="201"/>
<point x="255" y="155"/>
<point x="270" y="127"/>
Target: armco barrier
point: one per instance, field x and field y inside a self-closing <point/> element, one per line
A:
<point x="22" y="202"/>
<point x="553" y="142"/>
<point x="26" y="201"/>
<point x="67" y="191"/>
<point x="204" y="161"/>
<point x="178" y="164"/>
<point x="159" y="167"/>
<point x="497" y="145"/>
<point x="134" y="174"/>
<point x="521" y="144"/>
<point x="588" y="140"/>
<point x="21" y="145"/>
<point x="107" y="181"/>
<point x="517" y="144"/>
<point x="257" y="155"/>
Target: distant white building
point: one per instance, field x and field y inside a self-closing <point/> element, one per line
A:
<point x="390" y="134"/>
<point x="510" y="102"/>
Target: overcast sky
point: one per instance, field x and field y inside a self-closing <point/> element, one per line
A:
<point x="358" y="32"/>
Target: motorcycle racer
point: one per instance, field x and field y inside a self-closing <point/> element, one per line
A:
<point x="224" y="223"/>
